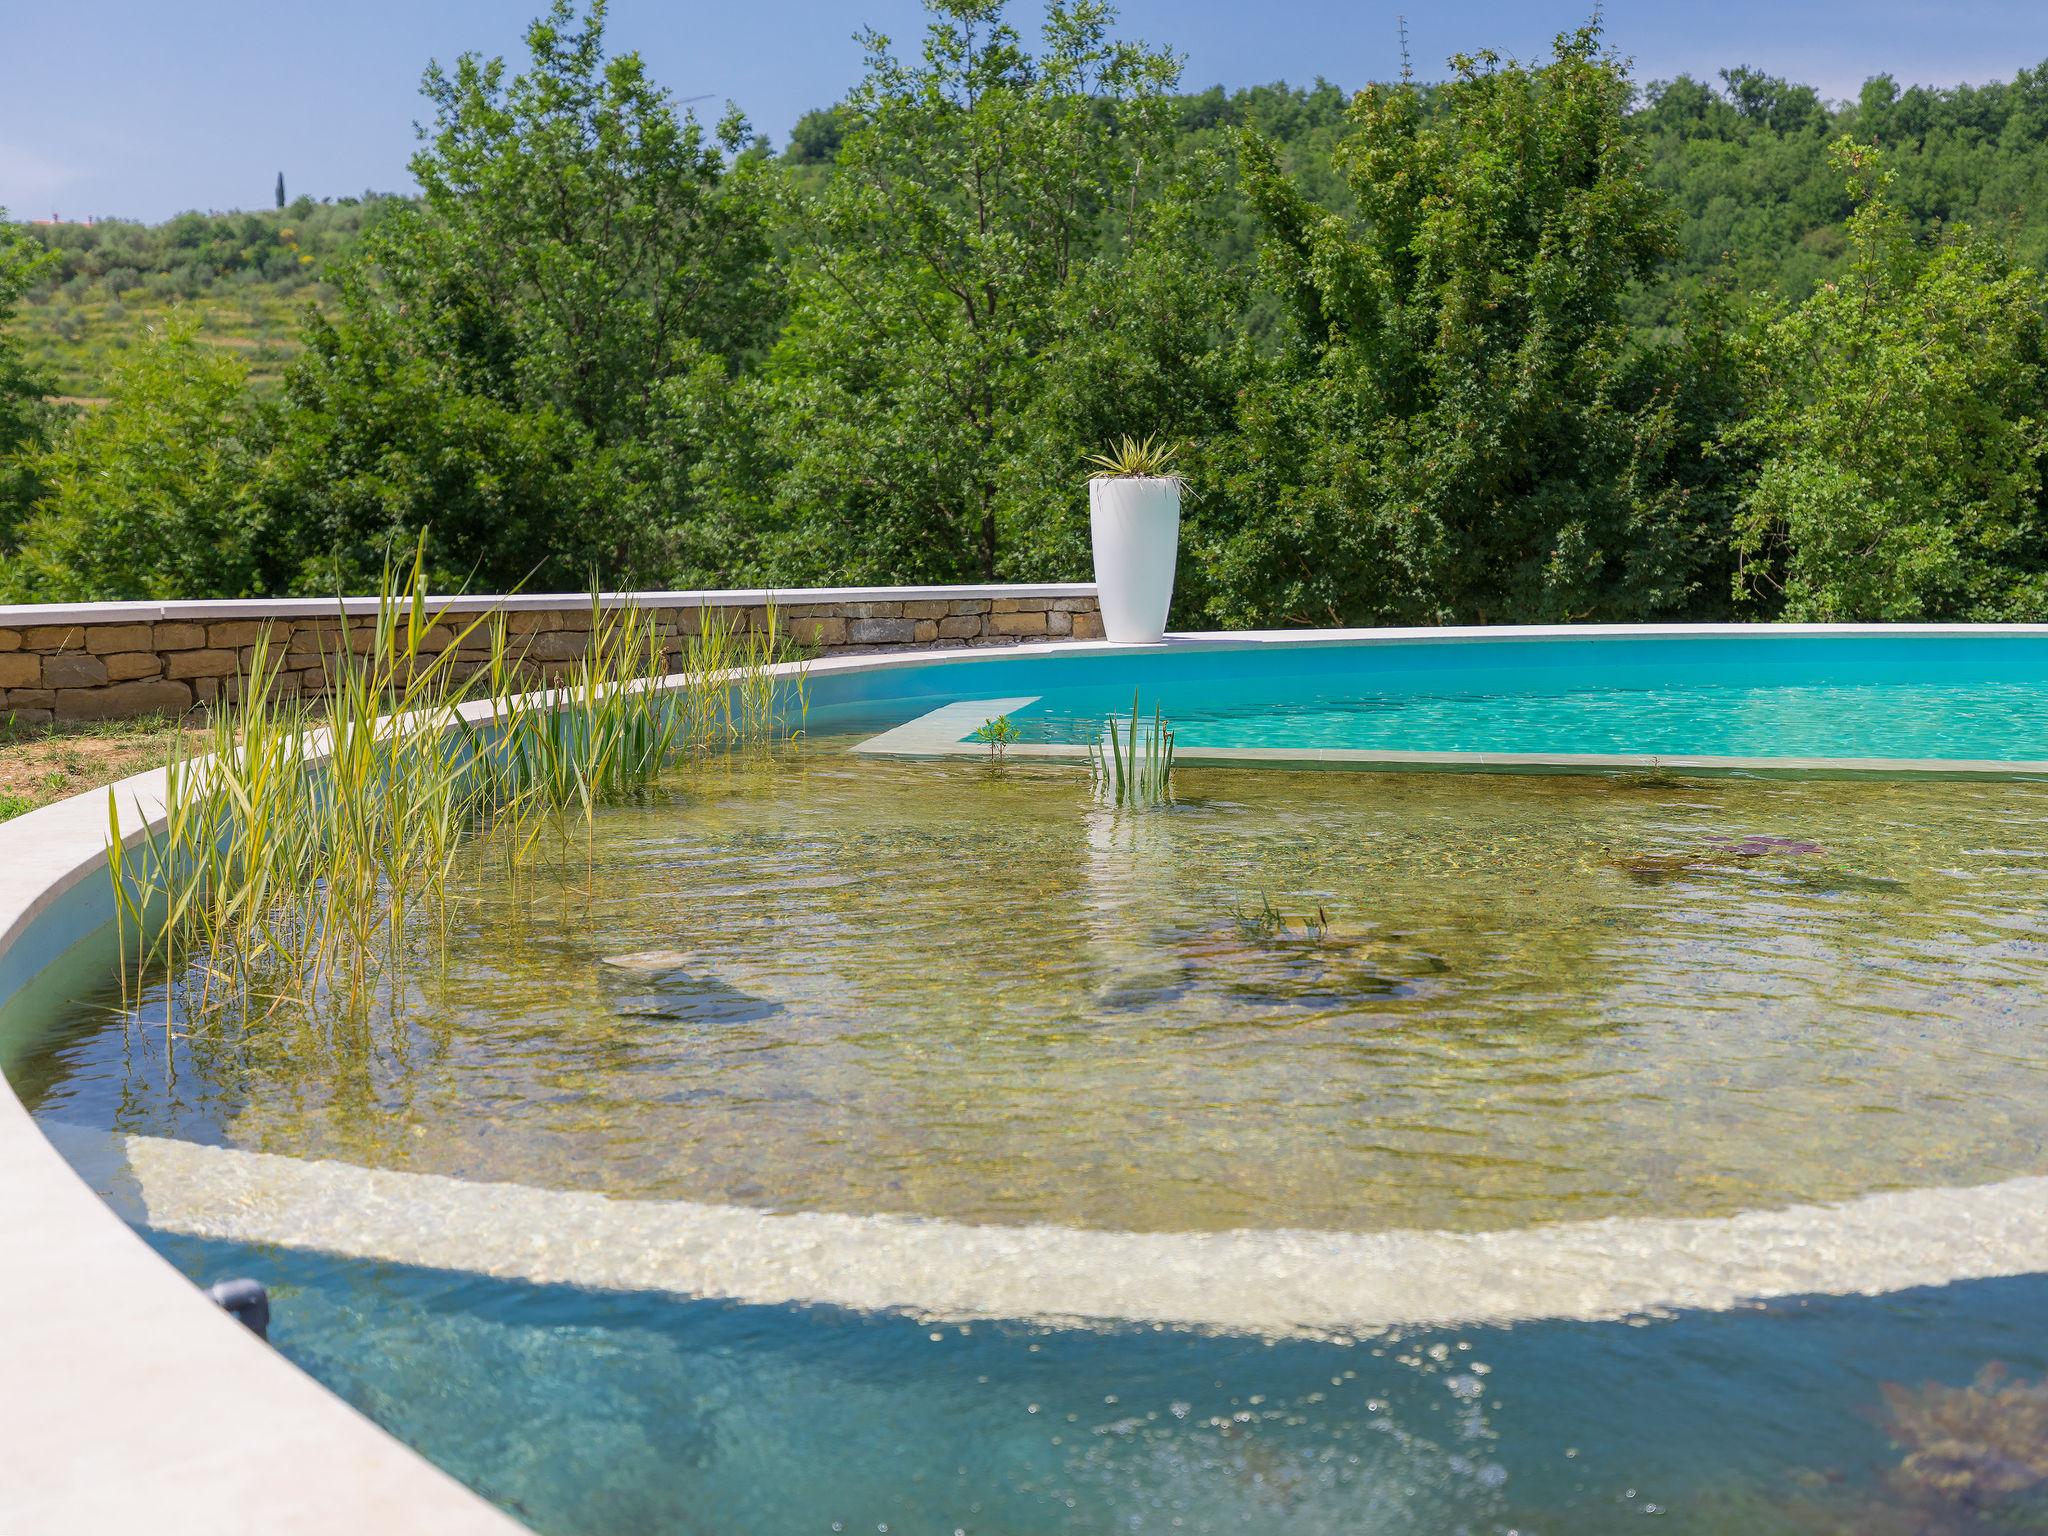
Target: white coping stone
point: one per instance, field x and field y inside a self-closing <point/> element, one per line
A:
<point x="19" y="615"/>
<point x="1265" y="1282"/>
<point x="132" y="1403"/>
<point x="128" y="1400"/>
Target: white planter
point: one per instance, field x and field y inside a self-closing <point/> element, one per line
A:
<point x="1136" y="524"/>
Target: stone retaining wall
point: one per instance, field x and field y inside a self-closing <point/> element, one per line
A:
<point x="109" y="660"/>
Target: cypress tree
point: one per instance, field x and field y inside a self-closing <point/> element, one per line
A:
<point x="280" y="189"/>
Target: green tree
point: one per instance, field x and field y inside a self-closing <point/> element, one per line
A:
<point x="24" y="418"/>
<point x="280" y="189"/>
<point x="521" y="359"/>
<point x="980" y="196"/>
<point x="153" y="494"/>
<point x="816" y="138"/>
<point x="1461" y="427"/>
<point x="1901" y="421"/>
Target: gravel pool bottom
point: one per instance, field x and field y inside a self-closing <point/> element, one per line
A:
<point x="1348" y="1002"/>
<point x="1342" y="1001"/>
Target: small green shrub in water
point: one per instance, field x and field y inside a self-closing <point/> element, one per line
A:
<point x="297" y="843"/>
<point x="1134" y="769"/>
<point x="997" y="734"/>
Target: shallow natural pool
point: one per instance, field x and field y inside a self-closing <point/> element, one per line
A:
<point x="943" y="990"/>
<point x="1323" y="1003"/>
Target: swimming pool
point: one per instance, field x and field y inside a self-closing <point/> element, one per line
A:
<point x="1835" y="700"/>
<point x="846" y="1140"/>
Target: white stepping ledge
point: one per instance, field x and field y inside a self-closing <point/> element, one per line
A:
<point x="1280" y="1282"/>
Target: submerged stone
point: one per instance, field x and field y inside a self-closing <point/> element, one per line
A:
<point x="1757" y="845"/>
<point x="1131" y="989"/>
<point x="648" y="962"/>
<point x="659" y="984"/>
<point x="1719" y="853"/>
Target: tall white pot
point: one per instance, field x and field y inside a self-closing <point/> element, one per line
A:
<point x="1136" y="524"/>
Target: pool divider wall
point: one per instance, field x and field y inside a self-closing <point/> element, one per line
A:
<point x="131" y="1402"/>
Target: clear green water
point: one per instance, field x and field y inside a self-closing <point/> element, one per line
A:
<point x="939" y="989"/>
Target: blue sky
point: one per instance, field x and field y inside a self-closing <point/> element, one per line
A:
<point x="142" y="107"/>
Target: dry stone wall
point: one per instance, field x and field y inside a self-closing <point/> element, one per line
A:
<point x="116" y="660"/>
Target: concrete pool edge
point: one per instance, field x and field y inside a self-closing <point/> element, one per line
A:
<point x="133" y="1402"/>
<point x="104" y="1344"/>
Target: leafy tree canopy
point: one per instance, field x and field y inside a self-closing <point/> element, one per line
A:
<point x="152" y="495"/>
<point x="1901" y="418"/>
<point x="977" y="190"/>
<point x="23" y="417"/>
<point x="517" y="361"/>
<point x="1462" y="427"/>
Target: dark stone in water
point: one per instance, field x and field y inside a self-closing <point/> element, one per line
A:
<point x="1656" y="868"/>
<point x="657" y="984"/>
<point x="1757" y="845"/>
<point x="1134" y="991"/>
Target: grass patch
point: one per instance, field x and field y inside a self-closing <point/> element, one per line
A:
<point x="40" y="762"/>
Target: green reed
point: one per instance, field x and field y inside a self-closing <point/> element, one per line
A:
<point x="1134" y="770"/>
<point x="298" y="840"/>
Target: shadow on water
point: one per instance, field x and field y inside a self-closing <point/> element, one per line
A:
<point x="589" y="1414"/>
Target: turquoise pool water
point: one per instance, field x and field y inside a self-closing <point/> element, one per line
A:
<point x="1755" y="693"/>
<point x="1973" y="720"/>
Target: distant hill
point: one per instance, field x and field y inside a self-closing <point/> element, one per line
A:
<point x="247" y="276"/>
<point x="1742" y="159"/>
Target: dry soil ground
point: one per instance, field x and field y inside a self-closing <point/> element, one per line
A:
<point x="40" y="763"/>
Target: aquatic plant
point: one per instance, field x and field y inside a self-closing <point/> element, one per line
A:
<point x="1976" y="1446"/>
<point x="296" y="841"/>
<point x="1975" y="1463"/>
<point x="1134" y="771"/>
<point x="997" y="734"/>
<point x="1270" y="923"/>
